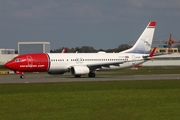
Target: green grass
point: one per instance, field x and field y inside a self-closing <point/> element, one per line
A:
<point x="121" y="100"/>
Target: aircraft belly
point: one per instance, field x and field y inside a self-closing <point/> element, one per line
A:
<point x="58" y="67"/>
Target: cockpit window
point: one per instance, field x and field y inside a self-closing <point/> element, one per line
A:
<point x="17" y="60"/>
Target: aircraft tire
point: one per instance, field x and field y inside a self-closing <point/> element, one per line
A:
<point x="22" y="76"/>
<point x="92" y="74"/>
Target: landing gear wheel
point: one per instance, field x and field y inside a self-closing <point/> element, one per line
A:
<point x="22" y="76"/>
<point x="92" y="74"/>
<point x="77" y="76"/>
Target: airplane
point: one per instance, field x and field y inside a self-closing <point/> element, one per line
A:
<point x="85" y="63"/>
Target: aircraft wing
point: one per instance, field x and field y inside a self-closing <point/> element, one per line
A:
<point x="96" y="66"/>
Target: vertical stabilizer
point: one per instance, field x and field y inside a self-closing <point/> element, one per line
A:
<point x="144" y="43"/>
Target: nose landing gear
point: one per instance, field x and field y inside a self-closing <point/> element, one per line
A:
<point x="22" y="76"/>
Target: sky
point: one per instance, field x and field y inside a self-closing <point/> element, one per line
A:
<point x="102" y="24"/>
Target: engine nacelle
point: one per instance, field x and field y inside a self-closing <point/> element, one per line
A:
<point x="79" y="70"/>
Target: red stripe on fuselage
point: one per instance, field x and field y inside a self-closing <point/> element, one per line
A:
<point x="29" y="63"/>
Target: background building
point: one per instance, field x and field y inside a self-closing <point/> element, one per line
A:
<point x="33" y="47"/>
<point x="6" y="55"/>
<point x="165" y="50"/>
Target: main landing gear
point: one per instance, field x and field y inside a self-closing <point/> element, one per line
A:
<point x="92" y="74"/>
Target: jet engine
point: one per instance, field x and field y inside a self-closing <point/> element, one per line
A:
<point x="79" y="70"/>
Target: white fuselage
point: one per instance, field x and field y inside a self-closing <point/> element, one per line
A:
<point x="62" y="62"/>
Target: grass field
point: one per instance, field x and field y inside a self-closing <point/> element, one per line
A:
<point x="120" y="100"/>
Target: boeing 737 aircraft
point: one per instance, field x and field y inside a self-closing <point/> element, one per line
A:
<point x="85" y="63"/>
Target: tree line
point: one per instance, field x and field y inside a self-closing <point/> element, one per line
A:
<point x="89" y="49"/>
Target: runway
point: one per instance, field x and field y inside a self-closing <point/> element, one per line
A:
<point x="46" y="78"/>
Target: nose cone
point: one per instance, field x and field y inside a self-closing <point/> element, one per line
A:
<point x="8" y="65"/>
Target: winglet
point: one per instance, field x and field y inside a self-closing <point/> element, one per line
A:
<point x="152" y="53"/>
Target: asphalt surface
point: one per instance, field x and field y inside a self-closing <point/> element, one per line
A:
<point x="46" y="78"/>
